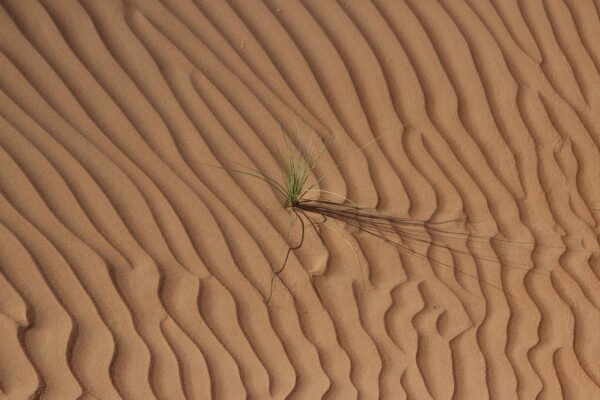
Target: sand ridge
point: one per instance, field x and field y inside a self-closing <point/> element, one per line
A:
<point x="129" y="269"/>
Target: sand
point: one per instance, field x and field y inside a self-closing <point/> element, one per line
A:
<point x="131" y="269"/>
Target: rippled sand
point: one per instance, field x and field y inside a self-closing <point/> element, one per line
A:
<point x="130" y="269"/>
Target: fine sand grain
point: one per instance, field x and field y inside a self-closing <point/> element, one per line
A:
<point x="130" y="269"/>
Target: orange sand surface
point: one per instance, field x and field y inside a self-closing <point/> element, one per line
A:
<point x="131" y="268"/>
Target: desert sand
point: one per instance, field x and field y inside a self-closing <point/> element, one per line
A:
<point x="132" y="268"/>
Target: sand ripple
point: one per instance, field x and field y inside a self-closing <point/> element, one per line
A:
<point x="129" y="269"/>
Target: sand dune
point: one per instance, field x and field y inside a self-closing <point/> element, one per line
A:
<point x="131" y="269"/>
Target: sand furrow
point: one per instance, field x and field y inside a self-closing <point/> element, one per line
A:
<point x="213" y="66"/>
<point x="505" y="217"/>
<point x="93" y="337"/>
<point x="239" y="47"/>
<point x="584" y="25"/>
<point x="419" y="201"/>
<point x="46" y="321"/>
<point x="117" y="261"/>
<point x="511" y="15"/>
<point x="367" y="87"/>
<point x="583" y="348"/>
<point x="89" y="273"/>
<point x="415" y="42"/>
<point x="18" y="376"/>
<point x="577" y="60"/>
<point x="296" y="61"/>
